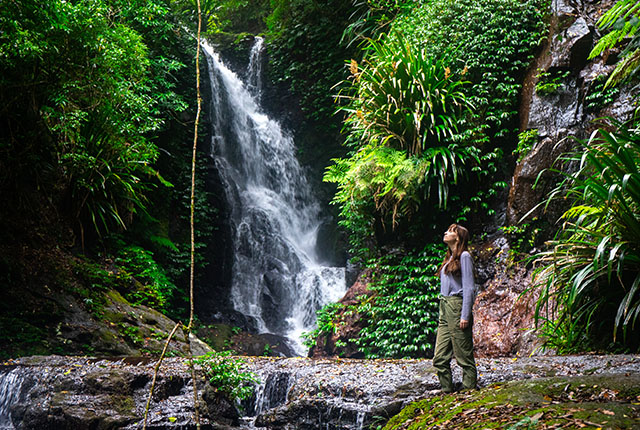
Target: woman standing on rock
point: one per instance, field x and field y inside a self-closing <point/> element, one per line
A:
<point x="455" y="326"/>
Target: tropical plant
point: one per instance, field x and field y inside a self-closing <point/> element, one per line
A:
<point x="226" y="374"/>
<point x="395" y="182"/>
<point x="403" y="108"/>
<point x="494" y="41"/>
<point x="590" y="276"/>
<point x="432" y="49"/>
<point x="87" y="76"/>
<point x="403" y="98"/>
<point x="623" y="22"/>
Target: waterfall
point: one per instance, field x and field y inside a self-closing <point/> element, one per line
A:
<point x="272" y="391"/>
<point x="10" y="387"/>
<point x="278" y="277"/>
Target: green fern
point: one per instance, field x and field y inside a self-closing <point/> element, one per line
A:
<point x="628" y="66"/>
<point x="623" y="9"/>
<point x="623" y="21"/>
<point x="589" y="278"/>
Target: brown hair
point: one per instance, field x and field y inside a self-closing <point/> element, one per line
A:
<point x="453" y="258"/>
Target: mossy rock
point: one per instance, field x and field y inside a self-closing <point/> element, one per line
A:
<point x="116" y="297"/>
<point x="605" y="401"/>
<point x="218" y="336"/>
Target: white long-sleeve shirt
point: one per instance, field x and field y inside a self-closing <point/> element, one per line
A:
<point x="463" y="285"/>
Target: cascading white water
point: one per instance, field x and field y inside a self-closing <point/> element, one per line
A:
<point x="278" y="277"/>
<point x="10" y="386"/>
<point x="254" y="78"/>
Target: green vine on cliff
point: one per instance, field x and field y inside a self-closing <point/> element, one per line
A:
<point x="402" y="315"/>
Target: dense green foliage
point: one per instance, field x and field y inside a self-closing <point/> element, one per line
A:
<point x="623" y="23"/>
<point x="236" y="16"/>
<point x="494" y="40"/>
<point x="155" y="288"/>
<point x="226" y="375"/>
<point x="371" y="18"/>
<point x="96" y="99"/>
<point x="402" y="315"/>
<point x="403" y="149"/>
<point x="95" y="130"/>
<point x="431" y="113"/>
<point x="78" y="76"/>
<point x="305" y="51"/>
<point x="400" y="318"/>
<point x="590" y="276"/>
<point x="405" y="107"/>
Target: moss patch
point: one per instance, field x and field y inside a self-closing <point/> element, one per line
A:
<point x="218" y="336"/>
<point x="124" y="405"/>
<point x="607" y="401"/>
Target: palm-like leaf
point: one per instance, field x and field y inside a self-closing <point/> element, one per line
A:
<point x="623" y="22"/>
<point x="404" y="97"/>
<point x="403" y="107"/>
<point x="596" y="257"/>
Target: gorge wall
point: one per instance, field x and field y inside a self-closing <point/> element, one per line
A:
<point x="503" y="311"/>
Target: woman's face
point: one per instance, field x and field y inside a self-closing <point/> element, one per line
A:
<point x="450" y="236"/>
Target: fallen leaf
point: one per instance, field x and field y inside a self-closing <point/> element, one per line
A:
<point x="607" y="412"/>
<point x="537" y="416"/>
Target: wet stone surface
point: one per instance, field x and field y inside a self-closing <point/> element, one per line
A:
<point x="296" y="393"/>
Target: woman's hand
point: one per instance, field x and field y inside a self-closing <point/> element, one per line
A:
<point x="464" y="324"/>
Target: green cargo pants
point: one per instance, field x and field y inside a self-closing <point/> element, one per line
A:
<point x="452" y="340"/>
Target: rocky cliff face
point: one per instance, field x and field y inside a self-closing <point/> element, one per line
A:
<point x="562" y="95"/>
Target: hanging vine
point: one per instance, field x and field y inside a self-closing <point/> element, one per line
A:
<point x="188" y="328"/>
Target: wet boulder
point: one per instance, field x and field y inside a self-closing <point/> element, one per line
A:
<point x="504" y="309"/>
<point x="571" y="47"/>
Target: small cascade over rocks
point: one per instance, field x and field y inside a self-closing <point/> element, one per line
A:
<point x="278" y="277"/>
<point x="11" y="382"/>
